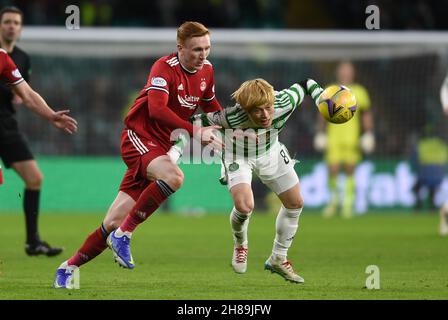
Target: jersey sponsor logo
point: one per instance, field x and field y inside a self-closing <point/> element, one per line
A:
<point x="203" y="86"/>
<point x="180" y="87"/>
<point x="16" y="73"/>
<point x="189" y="102"/>
<point x="158" y="81"/>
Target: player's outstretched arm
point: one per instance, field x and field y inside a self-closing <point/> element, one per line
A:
<point x="37" y="104"/>
<point x="313" y="89"/>
<point x="291" y="98"/>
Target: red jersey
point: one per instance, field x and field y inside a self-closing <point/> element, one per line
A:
<point x="170" y="97"/>
<point x="8" y="70"/>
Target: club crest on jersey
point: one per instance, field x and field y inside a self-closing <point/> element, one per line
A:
<point x="158" y="82"/>
<point x="16" y="73"/>
<point x="203" y="86"/>
<point x="234" y="166"/>
<point x="180" y="87"/>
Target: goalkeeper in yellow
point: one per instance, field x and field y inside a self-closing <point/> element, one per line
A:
<point x="343" y="144"/>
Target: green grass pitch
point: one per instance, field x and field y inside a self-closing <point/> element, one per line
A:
<point x="179" y="257"/>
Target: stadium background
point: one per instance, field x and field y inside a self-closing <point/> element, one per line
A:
<point x="97" y="72"/>
<point x="82" y="172"/>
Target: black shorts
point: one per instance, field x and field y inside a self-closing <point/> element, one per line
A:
<point x="13" y="147"/>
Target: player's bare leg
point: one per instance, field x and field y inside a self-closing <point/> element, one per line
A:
<point x="443" y="228"/>
<point x="349" y="192"/>
<point x="243" y="200"/>
<point x="118" y="210"/>
<point x="30" y="173"/>
<point x="95" y="243"/>
<point x="286" y="227"/>
<point x="166" y="178"/>
<point x="330" y="210"/>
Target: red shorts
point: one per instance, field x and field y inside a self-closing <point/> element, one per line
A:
<point x="137" y="152"/>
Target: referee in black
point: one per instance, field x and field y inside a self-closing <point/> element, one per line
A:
<point x="14" y="150"/>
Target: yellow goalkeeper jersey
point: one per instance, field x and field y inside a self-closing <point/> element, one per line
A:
<point x="348" y="133"/>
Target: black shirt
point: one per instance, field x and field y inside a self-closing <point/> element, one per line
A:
<point x="22" y="61"/>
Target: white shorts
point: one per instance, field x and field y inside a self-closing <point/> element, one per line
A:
<point x="275" y="169"/>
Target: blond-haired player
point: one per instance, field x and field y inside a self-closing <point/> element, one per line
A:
<point x="266" y="111"/>
<point x="343" y="143"/>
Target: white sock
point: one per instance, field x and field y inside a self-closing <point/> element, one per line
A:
<point x="286" y="227"/>
<point x="239" y="223"/>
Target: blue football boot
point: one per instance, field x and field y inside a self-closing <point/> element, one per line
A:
<point x="65" y="277"/>
<point x="121" y="249"/>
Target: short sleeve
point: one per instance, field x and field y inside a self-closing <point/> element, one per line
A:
<point x="160" y="77"/>
<point x="9" y="71"/>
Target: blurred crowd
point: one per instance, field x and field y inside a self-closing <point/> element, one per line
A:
<point x="294" y="14"/>
<point x="402" y="103"/>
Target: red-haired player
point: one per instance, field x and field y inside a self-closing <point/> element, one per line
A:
<point x="177" y="85"/>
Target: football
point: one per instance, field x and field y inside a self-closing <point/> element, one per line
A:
<point x="337" y="104"/>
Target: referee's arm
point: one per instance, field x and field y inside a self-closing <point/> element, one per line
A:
<point x="26" y="72"/>
<point x="37" y="104"/>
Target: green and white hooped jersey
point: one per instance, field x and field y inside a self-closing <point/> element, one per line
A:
<point x="286" y="101"/>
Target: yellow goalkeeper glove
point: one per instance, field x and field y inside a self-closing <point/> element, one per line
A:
<point x="367" y="142"/>
<point x="320" y="141"/>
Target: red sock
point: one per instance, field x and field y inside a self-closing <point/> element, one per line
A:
<point x="92" y="247"/>
<point x="148" y="202"/>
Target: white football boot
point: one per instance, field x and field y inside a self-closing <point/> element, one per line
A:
<point x="283" y="268"/>
<point x="239" y="258"/>
<point x="65" y="277"/>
